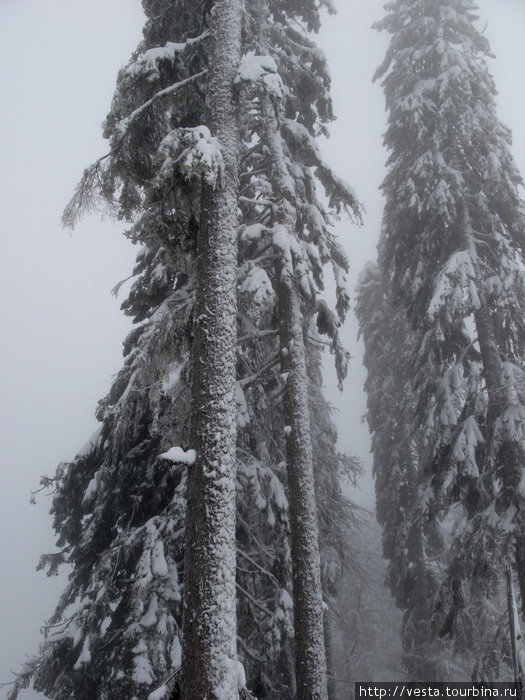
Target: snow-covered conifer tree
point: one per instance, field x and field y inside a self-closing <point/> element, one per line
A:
<point x="119" y="507"/>
<point x="452" y="253"/>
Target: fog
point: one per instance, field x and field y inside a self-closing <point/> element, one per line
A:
<point x="62" y="329"/>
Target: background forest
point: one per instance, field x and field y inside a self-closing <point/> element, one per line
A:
<point x="59" y="317"/>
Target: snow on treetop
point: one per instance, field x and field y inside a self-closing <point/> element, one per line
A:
<point x="180" y="456"/>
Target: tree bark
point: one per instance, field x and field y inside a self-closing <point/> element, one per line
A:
<point x="210" y="654"/>
<point x="520" y="563"/>
<point x="310" y="657"/>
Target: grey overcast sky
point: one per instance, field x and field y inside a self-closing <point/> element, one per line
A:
<point x="62" y="329"/>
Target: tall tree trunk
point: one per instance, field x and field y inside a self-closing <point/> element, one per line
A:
<point x="310" y="658"/>
<point x="210" y="655"/>
<point x="520" y="563"/>
<point x="516" y="638"/>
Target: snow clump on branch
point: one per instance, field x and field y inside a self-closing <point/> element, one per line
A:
<point x="194" y="151"/>
<point x="180" y="456"/>
<point x="262" y="71"/>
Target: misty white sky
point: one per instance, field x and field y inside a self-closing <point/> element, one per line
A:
<point x="62" y="329"/>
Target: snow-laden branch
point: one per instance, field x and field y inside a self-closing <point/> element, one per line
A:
<point x="84" y="196"/>
<point x="195" y="151"/>
<point x="274" y="360"/>
<point x="262" y="72"/>
<point x="180" y="456"/>
<point x="123" y="124"/>
<point x="148" y="62"/>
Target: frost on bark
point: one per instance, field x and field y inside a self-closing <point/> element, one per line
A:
<point x="310" y="657"/>
<point x="516" y="637"/>
<point x="210" y="656"/>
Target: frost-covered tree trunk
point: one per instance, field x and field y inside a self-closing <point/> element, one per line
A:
<point x="516" y="637"/>
<point x="520" y="565"/>
<point x="210" y="657"/>
<point x="307" y="594"/>
<point x="310" y="658"/>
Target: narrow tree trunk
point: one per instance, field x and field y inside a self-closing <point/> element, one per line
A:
<point x="520" y="563"/>
<point x="210" y="655"/>
<point x="310" y="659"/>
<point x="516" y="638"/>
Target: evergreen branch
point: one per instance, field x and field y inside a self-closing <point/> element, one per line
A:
<point x="116" y="289"/>
<point x="253" y="600"/>
<point x="263" y="548"/>
<point x="262" y="202"/>
<point x="46" y="482"/>
<point x="258" y="566"/>
<point x="257" y="335"/>
<point x="116" y="634"/>
<point x="340" y="194"/>
<point x="160" y="53"/>
<point x="253" y="377"/>
<point x="123" y="125"/>
<point x="248" y="651"/>
<point x="169" y="678"/>
<point x="84" y="198"/>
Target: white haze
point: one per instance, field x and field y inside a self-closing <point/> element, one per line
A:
<point x="62" y="329"/>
